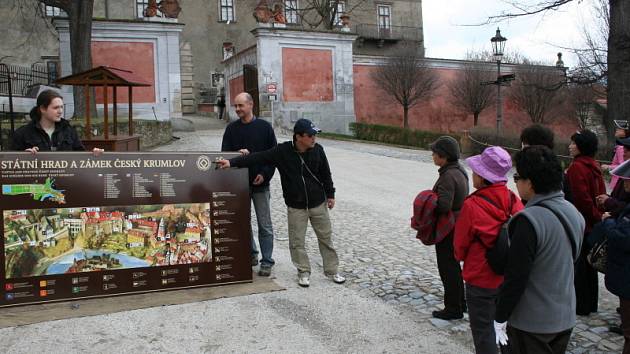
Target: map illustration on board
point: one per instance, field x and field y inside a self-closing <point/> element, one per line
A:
<point x="73" y="240"/>
<point x="40" y="192"/>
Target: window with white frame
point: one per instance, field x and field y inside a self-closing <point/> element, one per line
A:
<point x="291" y="11"/>
<point x="51" y="11"/>
<point x="341" y="9"/>
<point x="226" y="10"/>
<point x="142" y="5"/>
<point x="384" y="16"/>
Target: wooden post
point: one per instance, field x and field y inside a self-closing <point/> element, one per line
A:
<point x="88" y="127"/>
<point x="130" y="112"/>
<point x="114" y="88"/>
<point x="105" y="111"/>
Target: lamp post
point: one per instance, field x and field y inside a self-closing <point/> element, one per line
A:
<point x="498" y="45"/>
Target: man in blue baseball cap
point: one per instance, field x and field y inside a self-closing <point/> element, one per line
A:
<point x="308" y="192"/>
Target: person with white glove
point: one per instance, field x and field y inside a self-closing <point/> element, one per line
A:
<point x="500" y="332"/>
<point x="535" y="310"/>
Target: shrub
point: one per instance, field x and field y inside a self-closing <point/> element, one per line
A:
<point x="396" y="135"/>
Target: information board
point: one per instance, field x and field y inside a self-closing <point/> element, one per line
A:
<point x="78" y="226"/>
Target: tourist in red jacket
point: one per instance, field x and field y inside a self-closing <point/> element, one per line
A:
<point x="583" y="183"/>
<point x="476" y="230"/>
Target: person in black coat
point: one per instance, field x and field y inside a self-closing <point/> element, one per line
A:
<point x="617" y="232"/>
<point x="308" y="191"/>
<point x="47" y="130"/>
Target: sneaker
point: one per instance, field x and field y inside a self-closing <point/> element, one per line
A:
<point x="337" y="278"/>
<point x="254" y="261"/>
<point x="303" y="281"/>
<point x="264" y="271"/>
<point x="447" y="315"/>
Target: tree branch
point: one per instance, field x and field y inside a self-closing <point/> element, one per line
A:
<point x="525" y="10"/>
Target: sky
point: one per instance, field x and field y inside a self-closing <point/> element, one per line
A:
<point x="448" y="34"/>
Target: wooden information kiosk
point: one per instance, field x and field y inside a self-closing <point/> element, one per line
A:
<point x="105" y="77"/>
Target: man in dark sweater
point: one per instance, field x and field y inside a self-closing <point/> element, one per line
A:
<point x="308" y="192"/>
<point x="250" y="134"/>
<point x="536" y="302"/>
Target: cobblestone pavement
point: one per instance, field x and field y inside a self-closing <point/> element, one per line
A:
<point x="375" y="188"/>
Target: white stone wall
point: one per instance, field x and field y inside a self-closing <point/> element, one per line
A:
<point x="333" y="116"/>
<point x="165" y="39"/>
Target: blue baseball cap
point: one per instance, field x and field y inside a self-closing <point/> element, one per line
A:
<point x="305" y="126"/>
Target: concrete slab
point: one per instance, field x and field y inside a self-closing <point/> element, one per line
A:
<point x="24" y="315"/>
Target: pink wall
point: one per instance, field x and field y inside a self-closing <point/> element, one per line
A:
<point x="237" y="85"/>
<point x="307" y="75"/>
<point x="133" y="56"/>
<point x="373" y="106"/>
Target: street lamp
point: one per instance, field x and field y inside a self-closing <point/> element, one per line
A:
<point x="498" y="45"/>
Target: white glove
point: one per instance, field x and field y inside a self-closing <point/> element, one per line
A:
<point x="500" y="333"/>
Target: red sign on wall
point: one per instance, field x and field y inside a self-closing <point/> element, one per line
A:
<point x="271" y="88"/>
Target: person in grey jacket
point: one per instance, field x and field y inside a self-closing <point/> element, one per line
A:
<point x="451" y="188"/>
<point x="536" y="302"/>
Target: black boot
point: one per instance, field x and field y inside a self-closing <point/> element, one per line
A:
<point x="447" y="315"/>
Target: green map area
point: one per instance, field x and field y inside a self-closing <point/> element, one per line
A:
<point x="40" y="192"/>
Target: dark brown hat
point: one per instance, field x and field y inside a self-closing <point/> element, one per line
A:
<point x="447" y="147"/>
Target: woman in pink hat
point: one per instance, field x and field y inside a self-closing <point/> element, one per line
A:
<point x="477" y="228"/>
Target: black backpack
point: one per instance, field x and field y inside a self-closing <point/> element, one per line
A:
<point x="497" y="255"/>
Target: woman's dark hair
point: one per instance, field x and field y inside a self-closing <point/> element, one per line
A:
<point x="541" y="167"/>
<point x="484" y="181"/>
<point x="586" y="142"/>
<point x="43" y="100"/>
<point x="537" y="134"/>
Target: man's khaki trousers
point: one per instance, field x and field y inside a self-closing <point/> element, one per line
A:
<point x="320" y="222"/>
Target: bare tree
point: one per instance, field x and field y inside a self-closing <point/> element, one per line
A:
<point x="407" y="78"/>
<point x="581" y="98"/>
<point x="80" y="20"/>
<point x="592" y="65"/>
<point x="325" y="13"/>
<point x="536" y="91"/>
<point x="469" y="91"/>
<point x="618" y="47"/>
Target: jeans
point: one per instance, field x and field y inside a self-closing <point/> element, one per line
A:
<point x="261" y="202"/>
<point x="320" y="221"/>
<point x="481" y="310"/>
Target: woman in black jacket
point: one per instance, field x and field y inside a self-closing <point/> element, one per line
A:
<point x="47" y="130"/>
